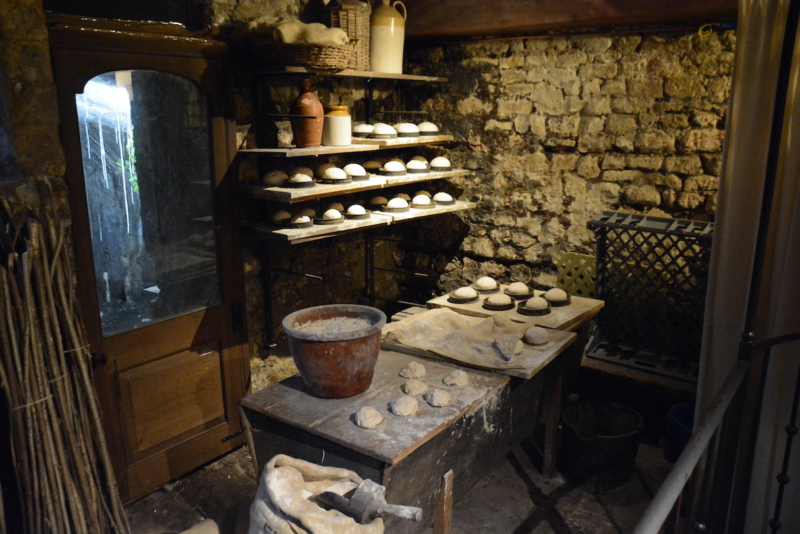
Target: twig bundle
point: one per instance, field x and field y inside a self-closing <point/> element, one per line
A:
<point x="63" y="468"/>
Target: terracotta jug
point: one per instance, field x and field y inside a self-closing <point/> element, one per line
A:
<point x="307" y="132"/>
<point x="387" y="35"/>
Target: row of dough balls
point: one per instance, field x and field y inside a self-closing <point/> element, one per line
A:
<point x="401" y="200"/>
<point x="329" y="171"/>
<point x="405" y="405"/>
<point x="406" y="129"/>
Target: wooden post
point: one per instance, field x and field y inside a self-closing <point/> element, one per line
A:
<point x="443" y="523"/>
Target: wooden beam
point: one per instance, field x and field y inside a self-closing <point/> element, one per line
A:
<point x="462" y="18"/>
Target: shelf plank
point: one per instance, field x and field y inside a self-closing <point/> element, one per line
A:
<point x="292" y="195"/>
<point x="281" y="71"/>
<point x="415" y="213"/>
<point x="296" y="236"/>
<point x="401" y="142"/>
<point x="413" y="178"/>
<point x="318" y="231"/>
<point x="360" y="145"/>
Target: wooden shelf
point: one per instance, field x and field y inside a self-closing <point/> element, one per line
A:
<point x="282" y="71"/>
<point x="296" y="236"/>
<point x="292" y="196"/>
<point x="359" y="145"/>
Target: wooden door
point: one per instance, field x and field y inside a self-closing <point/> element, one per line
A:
<point x="148" y="148"/>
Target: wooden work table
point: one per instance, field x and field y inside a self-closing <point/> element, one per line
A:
<point x="411" y="455"/>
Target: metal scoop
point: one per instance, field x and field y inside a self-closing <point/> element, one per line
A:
<point x="367" y="503"/>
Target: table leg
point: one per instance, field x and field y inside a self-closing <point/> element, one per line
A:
<point x="443" y="523"/>
<point x="551" y="431"/>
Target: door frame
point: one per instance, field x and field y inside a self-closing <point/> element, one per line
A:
<point x="79" y="54"/>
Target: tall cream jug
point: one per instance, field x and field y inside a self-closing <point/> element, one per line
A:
<point x="387" y="34"/>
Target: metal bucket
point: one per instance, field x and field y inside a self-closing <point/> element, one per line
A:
<point x="335" y="364"/>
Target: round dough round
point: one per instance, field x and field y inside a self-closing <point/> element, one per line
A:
<point x="556" y="295"/>
<point x="536" y="303"/>
<point x="300" y="219"/>
<point x="422" y="191"/>
<point x="281" y="215"/>
<point x="427" y="127"/>
<point x="518" y="288"/>
<point x="437" y="398"/>
<point x="485" y="283"/>
<point x="465" y="293"/>
<point x="413" y="370"/>
<point x="498" y="300"/>
<point x="405" y="405"/>
<point x="301" y="170"/>
<point x="440" y="162"/>
<point x="273" y="178"/>
<point x="379" y="201"/>
<point x="536" y="335"/>
<point x="323" y="168"/>
<point x="299" y="177"/>
<point x="414" y="387"/>
<point x="354" y="169"/>
<point x="356" y="209"/>
<point x="421" y="200"/>
<point x="332" y="215"/>
<point x="420" y="158"/>
<point x="334" y="173"/>
<point x="308" y="212"/>
<point x="441" y="196"/>
<point x="364" y="128"/>
<point x="368" y="417"/>
<point x="397" y="203"/>
<point x="416" y="165"/>
<point x="403" y="196"/>
<point x="372" y="165"/>
<point x="456" y="378"/>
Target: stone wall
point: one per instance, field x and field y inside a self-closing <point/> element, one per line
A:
<point x="557" y="129"/>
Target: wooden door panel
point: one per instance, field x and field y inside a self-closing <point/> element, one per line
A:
<point x="171" y="397"/>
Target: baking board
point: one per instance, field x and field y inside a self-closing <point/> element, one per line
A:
<point x="560" y="317"/>
<point x="395" y="437"/>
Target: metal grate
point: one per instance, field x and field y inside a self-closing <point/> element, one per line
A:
<point x="576" y="274"/>
<point x="652" y="274"/>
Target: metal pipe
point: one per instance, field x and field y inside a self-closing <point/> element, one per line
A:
<point x="671" y="489"/>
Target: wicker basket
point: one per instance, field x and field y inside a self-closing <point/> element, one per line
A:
<point x="352" y="16"/>
<point x="313" y="57"/>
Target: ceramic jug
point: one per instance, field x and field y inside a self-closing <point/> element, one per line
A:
<point x="307" y="133"/>
<point x="387" y="34"/>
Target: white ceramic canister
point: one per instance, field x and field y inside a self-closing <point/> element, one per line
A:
<point x="336" y="127"/>
<point x="387" y="35"/>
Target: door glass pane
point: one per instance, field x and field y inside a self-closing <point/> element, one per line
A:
<point x="149" y="186"/>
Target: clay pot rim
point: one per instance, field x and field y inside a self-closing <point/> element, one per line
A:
<point x="376" y="317"/>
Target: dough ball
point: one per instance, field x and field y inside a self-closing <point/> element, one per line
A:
<point x="334" y="173"/>
<point x="536" y="303"/>
<point x="437" y="398"/>
<point x="536" y="335"/>
<point x="354" y="169"/>
<point x="427" y="127"/>
<point x="485" y="283"/>
<point x="518" y="288"/>
<point x="413" y="370"/>
<point x="332" y="215"/>
<point x="518" y="346"/>
<point x="281" y="215"/>
<point x="308" y="212"/>
<point x="498" y="300"/>
<point x="416" y="165"/>
<point x="556" y="295"/>
<point x="301" y="170"/>
<point x="440" y="162"/>
<point x="397" y="203"/>
<point x="355" y="209"/>
<point x="379" y="201"/>
<point x="299" y="177"/>
<point x="405" y="405"/>
<point x="300" y="219"/>
<point x="420" y="158"/>
<point x="421" y="191"/>
<point x="414" y="387"/>
<point x="421" y="200"/>
<point x="465" y="293"/>
<point x="404" y="196"/>
<point x="368" y="417"/>
<point x="441" y="196"/>
<point x="336" y="206"/>
<point x="456" y="378"/>
<point x="274" y="178"/>
<point x="324" y="167"/>
<point x="372" y="166"/>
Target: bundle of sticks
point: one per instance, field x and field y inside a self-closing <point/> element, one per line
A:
<point x="62" y="466"/>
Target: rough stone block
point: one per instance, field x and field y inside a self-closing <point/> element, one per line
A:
<point x="650" y="88"/>
<point x="573" y="104"/>
<point x="620" y="124"/>
<point x="684" y="86"/>
<point x="566" y="125"/>
<point x="516" y="89"/>
<point x="473" y="106"/>
<point x="512" y="62"/>
<point x="564" y="162"/>
<point x="522" y="123"/>
<point x="614" y="160"/>
<point x="478" y="246"/>
<point x="591" y="87"/>
<point x="572" y="87"/>
<point x="719" y="89"/>
<point x="507" y="108"/>
<point x="622" y="176"/>
<point x="624" y="144"/>
<point x="674" y="121"/>
<point x="598" y="70"/>
<point x="629" y="104"/>
<point x="590" y="125"/>
<point x="655" y="141"/>
<point x="512" y="76"/>
<point x="707" y="140"/>
<point x="607" y="192"/>
<point x="614" y="88"/>
<point x="593" y="45"/>
<point x="492" y="124"/>
<point x="548" y="99"/>
<point x="507" y="253"/>
<point x="588" y="166"/>
<point x="558" y="76"/>
<point x="595" y="142"/>
<point x="705" y="119"/>
<point x="701" y="182"/>
<point x="647" y="162"/>
<point x="668" y="197"/>
<point x="643" y="195"/>
<point x="522" y="239"/>
<point x="689" y="164"/>
<point x="538" y="125"/>
<point x="690" y="201"/>
<point x="572" y="58"/>
<point x="536" y="74"/>
<point x="712" y="164"/>
<point x="670" y="181"/>
<point x="600" y="105"/>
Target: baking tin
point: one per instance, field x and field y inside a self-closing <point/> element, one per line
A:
<point x="387" y="209"/>
<point x="441" y="169"/>
<point x="383" y="136"/>
<point x="335" y="180"/>
<point x="423" y="206"/>
<point x="308" y="224"/>
<point x="456" y="300"/>
<point x="299" y="185"/>
<point x="522" y="310"/>
<point x="562" y="303"/>
<point x="326" y="222"/>
<point x="417" y="171"/>
<point x="391" y="173"/>
<point x="445" y="202"/>
<point x="519" y="297"/>
<point x="492" y="307"/>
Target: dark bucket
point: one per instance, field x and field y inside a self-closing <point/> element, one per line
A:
<point x="335" y="364"/>
<point x="680" y="421"/>
<point x="600" y="440"/>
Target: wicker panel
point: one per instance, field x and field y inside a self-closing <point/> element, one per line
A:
<point x="352" y="16"/>
<point x="576" y="274"/>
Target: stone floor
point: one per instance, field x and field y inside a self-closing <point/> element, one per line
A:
<point x="512" y="499"/>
